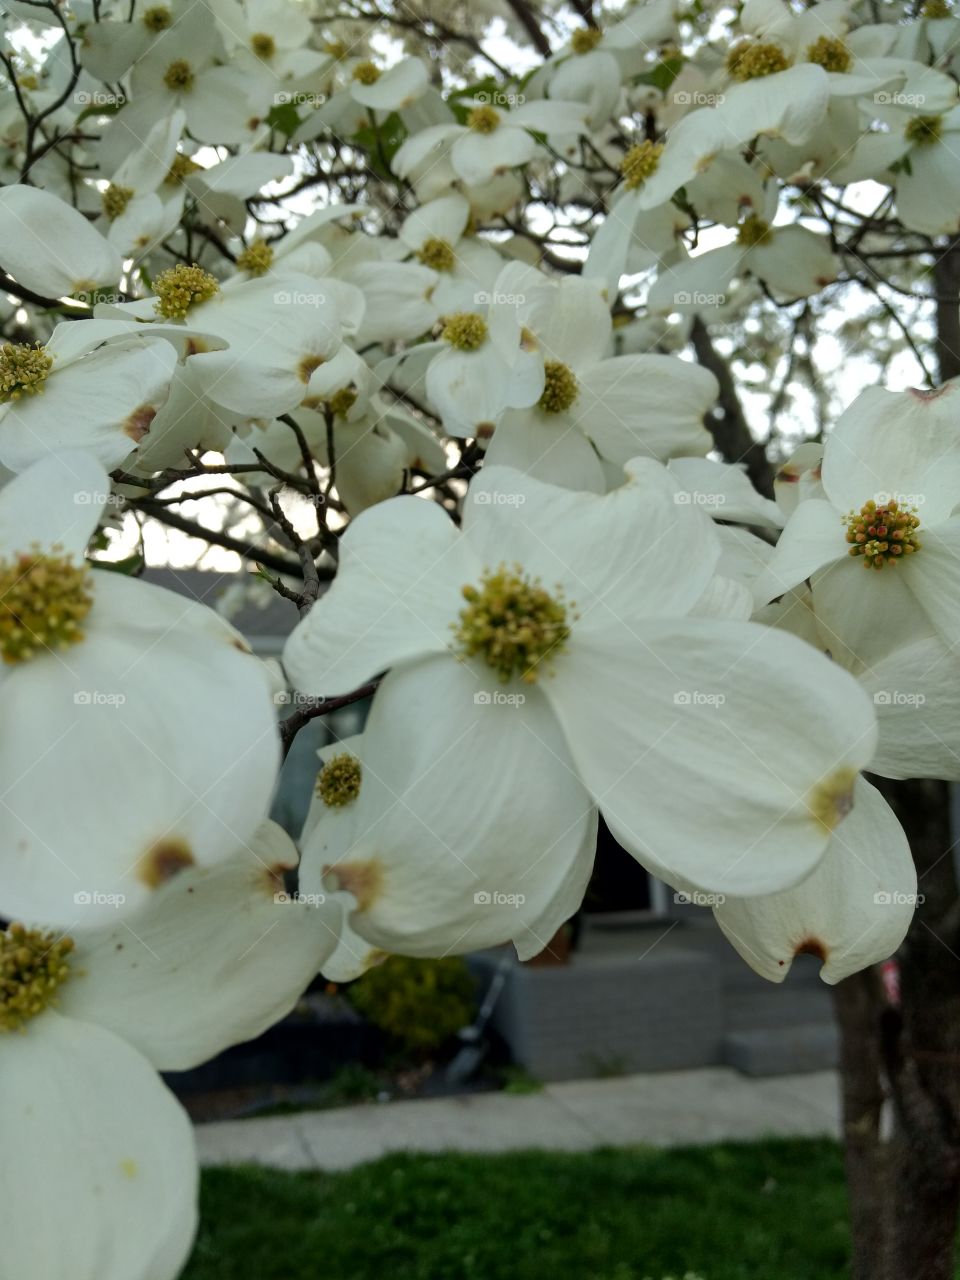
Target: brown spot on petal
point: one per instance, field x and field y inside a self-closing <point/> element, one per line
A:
<point x="196" y="347"/>
<point x="485" y="430"/>
<point x="307" y="366"/>
<point x="273" y="878"/>
<point x="163" y="861"/>
<point x="137" y="424"/>
<point x="363" y="879"/>
<point x="811" y="947"/>
<point x="927" y="393"/>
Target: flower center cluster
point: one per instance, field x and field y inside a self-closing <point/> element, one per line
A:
<point x="882" y="534"/>
<point x="559" y="389"/>
<point x="830" y="53"/>
<point x="753" y="231"/>
<point x="512" y="623"/>
<point x="342" y="401"/>
<point x="936" y="9"/>
<point x="640" y="162"/>
<point x="33" y="965"/>
<point x="263" y="45"/>
<point x="43" y="602"/>
<point x="438" y="254"/>
<point x="924" y="130"/>
<point x="751" y="59"/>
<point x="338" y="782"/>
<point x="256" y="258"/>
<point x="585" y="40"/>
<point x="115" y="200"/>
<point x="181" y="287"/>
<point x="157" y="18"/>
<point x="23" y="370"/>
<point x="181" y="168"/>
<point x="483" y="119"/>
<point x="366" y="72"/>
<point x="465" y="331"/>
<point x="178" y="77"/>
<point x="336" y="48"/>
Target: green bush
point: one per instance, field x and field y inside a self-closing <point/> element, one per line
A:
<point x="418" y="1003"/>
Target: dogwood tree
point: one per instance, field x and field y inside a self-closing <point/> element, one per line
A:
<point x="586" y="378"/>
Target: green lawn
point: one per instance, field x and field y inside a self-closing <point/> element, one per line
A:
<point x="765" y="1211"/>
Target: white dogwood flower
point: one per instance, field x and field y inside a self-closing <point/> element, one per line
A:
<point x="116" y="688"/>
<point x="655" y="704"/>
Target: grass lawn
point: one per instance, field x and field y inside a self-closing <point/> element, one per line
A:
<point x="766" y="1211"/>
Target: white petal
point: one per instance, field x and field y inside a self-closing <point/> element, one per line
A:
<point x="396" y="89"/>
<point x="935" y="577"/>
<point x="852" y="911"/>
<point x="157" y="702"/>
<point x="51" y="248"/>
<point x="477" y="157"/>
<point x="395" y="596"/>
<point x="814" y="537"/>
<point x="119" y="1200"/>
<point x="916" y="693"/>
<point x="547" y="446"/>
<point x="739" y="726"/>
<point x="432" y="878"/>
<point x="56" y="502"/>
<point x="897" y="444"/>
<point x="442" y="219"/>
<point x="725" y="491"/>
<point x="214" y="958"/>
<point x="646" y="405"/>
<point x="621" y="557"/>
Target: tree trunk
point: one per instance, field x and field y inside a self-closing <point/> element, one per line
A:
<point x="905" y="1193"/>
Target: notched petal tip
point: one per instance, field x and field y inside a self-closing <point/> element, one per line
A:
<point x="164" y="860"/>
<point x="363" y="879"/>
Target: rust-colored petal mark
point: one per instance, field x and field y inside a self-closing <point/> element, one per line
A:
<point x="363" y="879"/>
<point x="307" y="366"/>
<point x="812" y="947"/>
<point x="928" y="393"/>
<point x="164" y="860"/>
<point x="138" y="423"/>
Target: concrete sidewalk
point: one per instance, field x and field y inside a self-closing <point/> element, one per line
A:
<point x="670" y="1108"/>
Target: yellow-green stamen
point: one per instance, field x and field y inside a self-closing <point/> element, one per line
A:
<point x="366" y="73"/>
<point x="560" y="387"/>
<point x="33" y="966"/>
<point x="181" y="287"/>
<point x="585" y="40"/>
<point x="640" y="162"/>
<point x="157" y="18"/>
<point x="752" y="59"/>
<point x="263" y="45"/>
<point x="115" y="200"/>
<point x="465" y="331"/>
<point x="44" y="599"/>
<point x="179" y="77"/>
<point x="438" y="254"/>
<point x="513" y="624"/>
<point x="338" y="782"/>
<point x="753" y="231"/>
<point x="181" y="168"/>
<point x="23" y="370"/>
<point x="882" y="534"/>
<point x="342" y="401"/>
<point x="830" y="53"/>
<point x="924" y="130"/>
<point x="483" y="120"/>
<point x="256" y="259"/>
